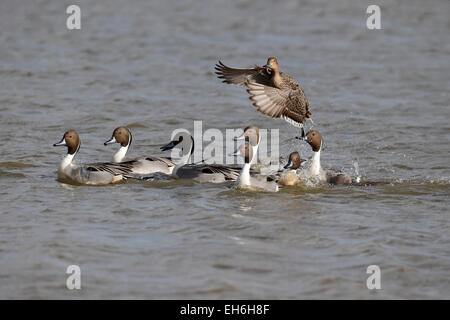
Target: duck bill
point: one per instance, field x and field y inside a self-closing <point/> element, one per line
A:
<point x="236" y="153"/>
<point x="169" y="146"/>
<point x="61" y="143"/>
<point x="110" y="141"/>
<point x="242" y="137"/>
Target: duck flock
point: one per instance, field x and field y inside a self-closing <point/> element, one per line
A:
<point x="273" y="93"/>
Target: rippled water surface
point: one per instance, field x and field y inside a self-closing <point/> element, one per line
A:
<point x="380" y="98"/>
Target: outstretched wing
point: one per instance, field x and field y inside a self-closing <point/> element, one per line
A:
<point x="240" y="76"/>
<point x="288" y="103"/>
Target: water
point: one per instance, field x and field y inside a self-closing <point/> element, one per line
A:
<point x="380" y="99"/>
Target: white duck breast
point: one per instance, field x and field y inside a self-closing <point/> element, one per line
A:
<point x="315" y="170"/>
<point x="141" y="165"/>
<point x="246" y="180"/>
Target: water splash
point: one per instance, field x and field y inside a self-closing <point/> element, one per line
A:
<point x="358" y="175"/>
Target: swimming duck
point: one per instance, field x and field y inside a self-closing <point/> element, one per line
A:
<point x="142" y="165"/>
<point x="94" y="173"/>
<point x="248" y="151"/>
<point x="314" y="139"/>
<point x="290" y="177"/>
<point x="213" y="173"/>
<point x="274" y="93"/>
<point x="251" y="133"/>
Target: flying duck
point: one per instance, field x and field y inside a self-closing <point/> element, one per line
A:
<point x="273" y="93"/>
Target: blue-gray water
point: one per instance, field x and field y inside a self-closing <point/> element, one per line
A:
<point x="379" y="97"/>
